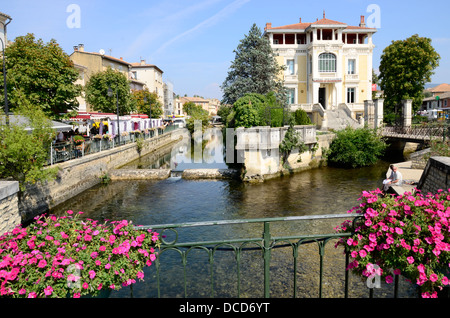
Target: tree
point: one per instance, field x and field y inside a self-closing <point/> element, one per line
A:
<point x="43" y="74"/>
<point x="147" y="103"/>
<point x="190" y="108"/>
<point x="254" y="69"/>
<point x="405" y="67"/>
<point x="97" y="96"/>
<point x="24" y="154"/>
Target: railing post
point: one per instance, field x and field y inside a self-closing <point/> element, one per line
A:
<point x="267" y="240"/>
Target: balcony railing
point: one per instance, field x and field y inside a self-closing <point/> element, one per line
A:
<point x="172" y="240"/>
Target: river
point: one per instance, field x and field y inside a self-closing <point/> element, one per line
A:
<point x="320" y="191"/>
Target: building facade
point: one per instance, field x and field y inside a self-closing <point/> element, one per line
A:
<point x="151" y="76"/>
<point x="327" y="62"/>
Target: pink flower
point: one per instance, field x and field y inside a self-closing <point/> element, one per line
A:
<point x="410" y="259"/>
<point x="433" y="277"/>
<point x="398" y="230"/>
<point x="389" y="279"/>
<point x="362" y="253"/>
<point x="91" y="274"/>
<point x="48" y="290"/>
<point x="108" y="266"/>
<point x="85" y="285"/>
<point x="42" y="263"/>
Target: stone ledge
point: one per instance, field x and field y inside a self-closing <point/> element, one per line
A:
<point x="210" y="174"/>
<point x="8" y="188"/>
<point x="139" y="174"/>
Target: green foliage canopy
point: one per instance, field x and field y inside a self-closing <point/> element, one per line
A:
<point x="147" y="103"/>
<point x="96" y="90"/>
<point x="43" y="74"/>
<point x="254" y="69"/>
<point x="405" y="67"/>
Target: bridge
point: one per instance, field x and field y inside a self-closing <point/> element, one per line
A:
<point x="419" y="134"/>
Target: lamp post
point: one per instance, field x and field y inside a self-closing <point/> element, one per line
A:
<point x="110" y="94"/>
<point x="4" y="82"/>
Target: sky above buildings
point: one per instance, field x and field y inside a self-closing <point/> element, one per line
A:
<point x="193" y="41"/>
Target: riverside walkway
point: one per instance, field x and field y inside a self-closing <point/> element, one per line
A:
<point x="408" y="174"/>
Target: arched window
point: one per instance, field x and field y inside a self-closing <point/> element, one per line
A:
<point x="327" y="62"/>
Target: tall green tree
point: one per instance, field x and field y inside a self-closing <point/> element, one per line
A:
<point x="405" y="67"/>
<point x="44" y="75"/>
<point x="147" y="103"/>
<point x="254" y="69"/>
<point x="97" y="96"/>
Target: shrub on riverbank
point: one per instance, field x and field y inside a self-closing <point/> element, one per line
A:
<point x="407" y="235"/>
<point x="354" y="148"/>
<point x="58" y="257"/>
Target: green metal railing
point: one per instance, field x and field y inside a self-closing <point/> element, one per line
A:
<point x="266" y="243"/>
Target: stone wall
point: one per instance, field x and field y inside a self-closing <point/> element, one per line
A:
<point x="9" y="206"/>
<point x="76" y="176"/>
<point x="435" y="176"/>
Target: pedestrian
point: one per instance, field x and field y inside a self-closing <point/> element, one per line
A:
<point x="395" y="178"/>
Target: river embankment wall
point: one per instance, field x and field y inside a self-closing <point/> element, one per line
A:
<point x="435" y="176"/>
<point x="9" y="206"/>
<point x="259" y="150"/>
<point x="78" y="175"/>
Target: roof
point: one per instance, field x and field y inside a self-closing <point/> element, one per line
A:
<point x="322" y="22"/>
<point x="114" y="59"/>
<point x="440" y="88"/>
<point x="140" y="65"/>
<point x="195" y="99"/>
<point x="5" y="16"/>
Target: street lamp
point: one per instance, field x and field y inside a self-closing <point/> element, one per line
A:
<point x="110" y="94"/>
<point x="4" y="82"/>
<point x="4" y="67"/>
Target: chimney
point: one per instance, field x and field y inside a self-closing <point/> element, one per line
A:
<point x="75" y="48"/>
<point x="300" y="20"/>
<point x="142" y="62"/>
<point x="81" y="47"/>
<point x="268" y="26"/>
<point x="362" y="23"/>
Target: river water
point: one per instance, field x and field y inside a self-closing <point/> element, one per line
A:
<point x="320" y="191"/>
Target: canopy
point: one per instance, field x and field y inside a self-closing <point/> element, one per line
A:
<point x="22" y="120"/>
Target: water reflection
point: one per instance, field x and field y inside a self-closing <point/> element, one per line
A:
<point x="206" y="151"/>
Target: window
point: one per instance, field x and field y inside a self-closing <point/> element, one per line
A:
<point x="350" y="95"/>
<point x="351" y="66"/>
<point x="291" y="96"/>
<point x="290" y="67"/>
<point x="327" y="63"/>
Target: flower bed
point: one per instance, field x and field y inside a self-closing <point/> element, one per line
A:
<point x="407" y="235"/>
<point x="68" y="257"/>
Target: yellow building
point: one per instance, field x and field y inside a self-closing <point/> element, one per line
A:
<point x="89" y="63"/>
<point x="328" y="63"/>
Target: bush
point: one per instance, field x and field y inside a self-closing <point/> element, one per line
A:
<point x="354" y="148"/>
<point x="301" y="117"/>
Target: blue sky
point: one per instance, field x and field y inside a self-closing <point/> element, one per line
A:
<point x="192" y="41"/>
